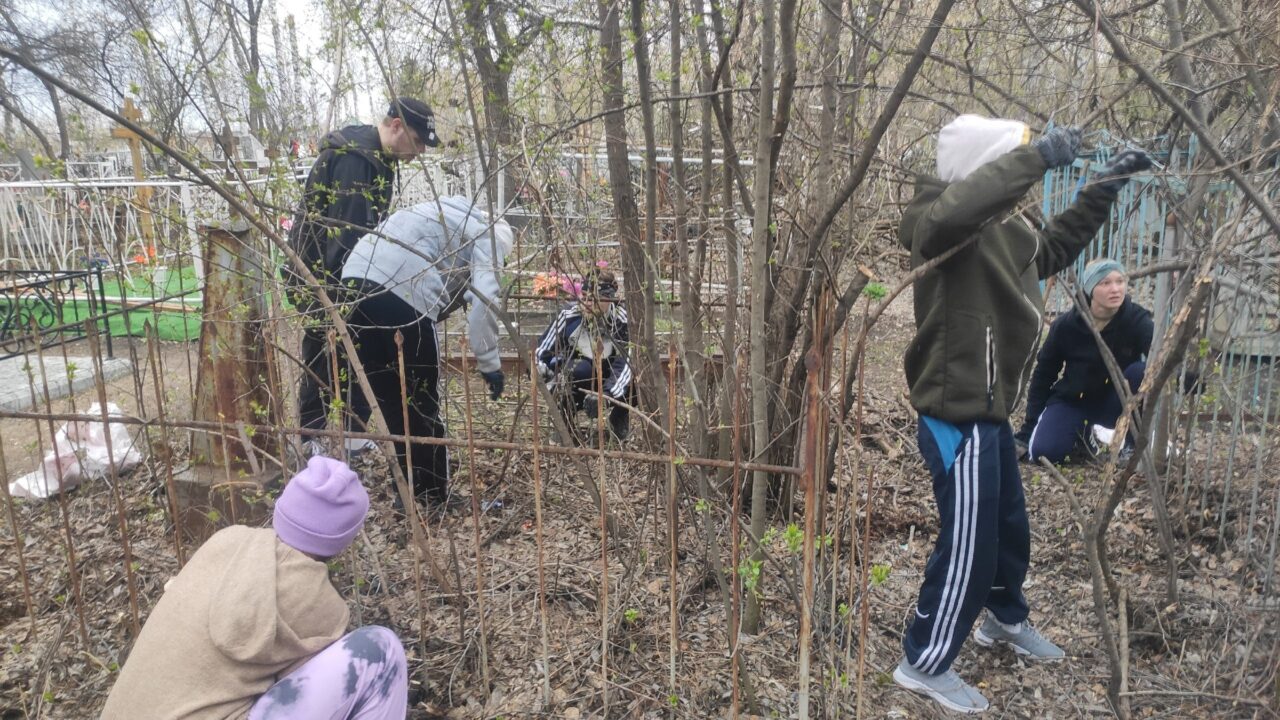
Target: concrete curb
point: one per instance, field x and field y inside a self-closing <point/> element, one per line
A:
<point x="15" y="388"/>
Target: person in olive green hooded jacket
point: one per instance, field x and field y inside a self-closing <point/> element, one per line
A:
<point x="978" y="321"/>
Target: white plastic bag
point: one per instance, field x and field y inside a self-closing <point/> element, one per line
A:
<point x="81" y="454"/>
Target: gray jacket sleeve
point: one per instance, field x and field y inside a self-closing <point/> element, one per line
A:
<point x="487" y="257"/>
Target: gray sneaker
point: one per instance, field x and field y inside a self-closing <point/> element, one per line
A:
<point x="947" y="689"/>
<point x="312" y="448"/>
<point x="1023" y="638"/>
<point x="357" y="447"/>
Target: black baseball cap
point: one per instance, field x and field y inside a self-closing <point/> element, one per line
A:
<point x="417" y="115"/>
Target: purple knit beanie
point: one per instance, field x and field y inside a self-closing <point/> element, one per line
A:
<point x="322" y="508"/>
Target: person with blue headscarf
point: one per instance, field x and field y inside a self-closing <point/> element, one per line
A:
<point x="1071" y="390"/>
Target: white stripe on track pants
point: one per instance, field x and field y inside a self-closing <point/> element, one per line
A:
<point x="984" y="543"/>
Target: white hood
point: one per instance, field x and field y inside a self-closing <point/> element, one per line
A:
<point x="971" y="141"/>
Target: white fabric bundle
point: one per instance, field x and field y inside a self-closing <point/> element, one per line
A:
<point x="80" y="453"/>
<point x="971" y="141"/>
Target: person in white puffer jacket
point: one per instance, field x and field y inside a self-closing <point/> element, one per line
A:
<point x="421" y="264"/>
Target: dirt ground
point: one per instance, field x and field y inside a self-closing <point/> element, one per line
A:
<point x="24" y="441"/>
<point x="1213" y="654"/>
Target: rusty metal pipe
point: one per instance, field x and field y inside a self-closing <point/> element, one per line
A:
<point x="380" y="437"/>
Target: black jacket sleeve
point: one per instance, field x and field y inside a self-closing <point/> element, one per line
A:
<point x="619" y="366"/>
<point x="551" y="344"/>
<point x="1049" y="364"/>
<point x="1070" y="232"/>
<point x="1145" y="331"/>
<point x="352" y="209"/>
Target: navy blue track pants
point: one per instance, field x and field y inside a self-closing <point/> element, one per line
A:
<point x="984" y="543"/>
<point x="1065" y="422"/>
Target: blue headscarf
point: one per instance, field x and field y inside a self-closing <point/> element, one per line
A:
<point x="1095" y="271"/>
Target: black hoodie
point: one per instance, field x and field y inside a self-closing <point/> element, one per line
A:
<point x="1071" y="351"/>
<point x="346" y="195"/>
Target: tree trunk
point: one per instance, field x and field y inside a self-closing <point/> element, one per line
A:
<point x="634" y="260"/>
<point x="340" y="47"/>
<point x="60" y="117"/>
<point x="803" y="279"/>
<point x="653" y="393"/>
<point x="493" y="65"/>
<point x="257" y="93"/>
<point x="723" y="111"/>
<point x="8" y="114"/>
<point x="13" y="112"/>
<point x="687" y="272"/>
<point x="760" y="238"/>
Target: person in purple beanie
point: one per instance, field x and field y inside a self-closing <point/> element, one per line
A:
<point x="253" y="628"/>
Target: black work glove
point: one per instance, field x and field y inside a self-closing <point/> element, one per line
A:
<point x="1059" y="146"/>
<point x="496" y="381"/>
<point x="1114" y="175"/>
<point x="591" y="406"/>
<point x="1191" y="383"/>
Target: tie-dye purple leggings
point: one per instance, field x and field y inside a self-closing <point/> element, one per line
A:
<point x="362" y="676"/>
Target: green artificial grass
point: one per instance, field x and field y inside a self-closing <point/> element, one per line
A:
<point x="174" y="326"/>
<point x="140" y="284"/>
<point x="169" y="325"/>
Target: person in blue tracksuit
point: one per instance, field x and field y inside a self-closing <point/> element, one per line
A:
<point x="589" y="332"/>
<point x="978" y="318"/>
<point x="1070" y="388"/>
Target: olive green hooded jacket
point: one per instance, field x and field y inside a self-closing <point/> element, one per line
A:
<point x="979" y="313"/>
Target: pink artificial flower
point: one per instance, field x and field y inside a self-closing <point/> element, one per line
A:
<point x="569" y="286"/>
<point x="602" y="264"/>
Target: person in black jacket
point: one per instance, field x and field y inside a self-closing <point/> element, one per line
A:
<point x="1070" y="388"/>
<point x="347" y="193"/>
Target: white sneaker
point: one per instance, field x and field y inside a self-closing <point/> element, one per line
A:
<point x="947" y="689"/>
<point x="1102" y="434"/>
<point x="358" y="446"/>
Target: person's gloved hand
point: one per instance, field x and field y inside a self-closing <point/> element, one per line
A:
<point x="544" y="372"/>
<point x="1059" y="146"/>
<point x="1022" y="444"/>
<point x="496" y="382"/>
<point x="1114" y="175"/>
<point x="591" y="406"/>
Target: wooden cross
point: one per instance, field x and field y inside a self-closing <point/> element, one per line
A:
<point x="231" y="152"/>
<point x="133" y="114"/>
